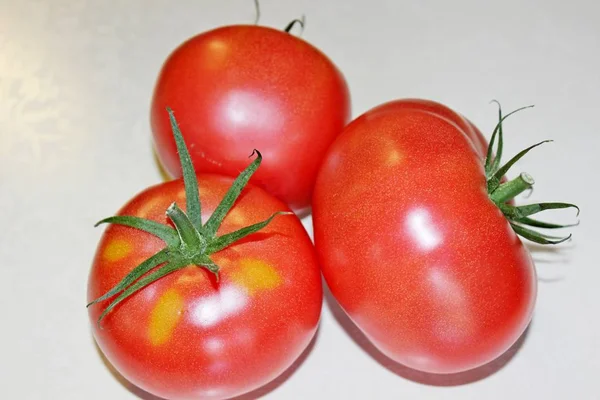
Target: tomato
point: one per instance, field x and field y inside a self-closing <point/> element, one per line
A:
<point x="423" y="259"/>
<point x="198" y="332"/>
<point x="237" y="88"/>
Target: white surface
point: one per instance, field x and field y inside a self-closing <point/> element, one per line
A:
<point x="75" y="85"/>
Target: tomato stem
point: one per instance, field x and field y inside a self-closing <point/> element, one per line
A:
<point x="501" y="193"/>
<point x="192" y="242"/>
<point x="301" y="21"/>
<point x="513" y="188"/>
<point x="257" y="12"/>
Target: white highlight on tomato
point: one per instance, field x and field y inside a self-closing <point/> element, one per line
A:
<point x="455" y="321"/>
<point x="213" y="309"/>
<point x="214" y="345"/>
<point x="422" y="230"/>
<point x="245" y="109"/>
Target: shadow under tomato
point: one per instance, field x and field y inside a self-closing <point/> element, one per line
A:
<point x="255" y="394"/>
<point x="403" y="371"/>
<point x="548" y="254"/>
<point x="546" y="258"/>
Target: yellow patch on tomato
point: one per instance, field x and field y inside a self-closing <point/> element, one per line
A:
<point x="236" y="217"/>
<point x="256" y="275"/>
<point x="220" y="260"/>
<point x="117" y="249"/>
<point x="393" y="158"/>
<point x="146" y="208"/>
<point x="202" y="192"/>
<point x="166" y="314"/>
<point x="194" y="276"/>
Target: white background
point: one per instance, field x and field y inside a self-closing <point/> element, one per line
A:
<point x="75" y="84"/>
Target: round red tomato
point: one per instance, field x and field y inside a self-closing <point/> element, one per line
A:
<point x="411" y="244"/>
<point x="187" y="335"/>
<point x="238" y="88"/>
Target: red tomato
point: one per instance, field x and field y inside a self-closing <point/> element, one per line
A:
<point x="238" y="88"/>
<point x="187" y="336"/>
<point x="412" y="246"/>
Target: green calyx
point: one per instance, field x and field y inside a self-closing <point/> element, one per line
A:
<point x="501" y="193"/>
<point x="190" y="242"/>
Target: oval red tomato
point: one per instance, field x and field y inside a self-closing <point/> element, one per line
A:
<point x="238" y="88"/>
<point x="412" y="246"/>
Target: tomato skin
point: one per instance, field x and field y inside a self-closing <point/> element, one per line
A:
<point x="467" y="127"/>
<point x="237" y="88"/>
<point x="185" y="336"/>
<point x="412" y="247"/>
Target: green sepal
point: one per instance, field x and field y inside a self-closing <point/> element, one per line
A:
<point x="190" y="181"/>
<point x="537" y="237"/>
<point x="494" y="181"/>
<point x="541" y="224"/>
<point x="492" y="166"/>
<point x="520" y="212"/>
<point x="205" y="261"/>
<point x="257" y="10"/>
<point x="157" y="259"/>
<point x="300" y="21"/>
<point x="215" y="220"/>
<point x="493" y="162"/>
<point x="162" y="231"/>
<point x="224" y="241"/>
<point x="143" y="282"/>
